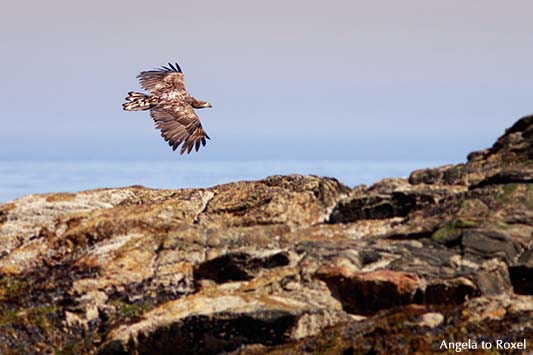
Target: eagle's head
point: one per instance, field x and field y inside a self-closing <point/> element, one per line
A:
<point x="200" y="104"/>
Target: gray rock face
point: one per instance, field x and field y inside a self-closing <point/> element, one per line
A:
<point x="285" y="265"/>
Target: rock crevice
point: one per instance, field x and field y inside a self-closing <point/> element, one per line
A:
<point x="285" y="265"/>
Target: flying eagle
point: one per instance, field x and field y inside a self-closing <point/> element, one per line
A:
<point x="171" y="107"/>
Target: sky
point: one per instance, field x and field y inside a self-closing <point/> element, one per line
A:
<point x="287" y="79"/>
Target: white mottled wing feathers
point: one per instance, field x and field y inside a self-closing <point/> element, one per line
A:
<point x="159" y="82"/>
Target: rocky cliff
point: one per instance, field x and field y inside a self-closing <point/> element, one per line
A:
<point x="285" y="265"/>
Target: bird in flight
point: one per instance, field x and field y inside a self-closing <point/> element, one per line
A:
<point x="171" y="107"/>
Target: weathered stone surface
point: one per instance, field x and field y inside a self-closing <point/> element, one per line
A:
<point x="403" y="330"/>
<point x="239" y="266"/>
<point x="285" y="265"/>
<point x="511" y="154"/>
<point x="389" y="198"/>
<point x="367" y="293"/>
<point x="265" y="202"/>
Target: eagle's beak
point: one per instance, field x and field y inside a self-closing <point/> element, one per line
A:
<point x="209" y="105"/>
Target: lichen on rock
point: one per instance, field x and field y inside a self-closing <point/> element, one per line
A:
<point x="285" y="265"/>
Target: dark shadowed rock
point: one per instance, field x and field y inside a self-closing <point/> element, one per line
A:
<point x="402" y="330"/>
<point x="387" y="199"/>
<point x="284" y="265"/>
<point x="239" y="266"/>
<point x="367" y="293"/>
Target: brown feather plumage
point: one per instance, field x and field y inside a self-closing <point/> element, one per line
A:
<point x="171" y="108"/>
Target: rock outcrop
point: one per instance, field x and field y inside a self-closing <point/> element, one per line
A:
<point x="285" y="265"/>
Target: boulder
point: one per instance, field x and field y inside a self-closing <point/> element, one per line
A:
<point x="285" y="265"/>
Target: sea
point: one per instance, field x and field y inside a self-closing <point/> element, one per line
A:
<point x="20" y="178"/>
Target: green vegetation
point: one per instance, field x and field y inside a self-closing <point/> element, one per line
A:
<point x="452" y="230"/>
<point x="32" y="316"/>
<point x="128" y="310"/>
<point x="463" y="223"/>
<point x="9" y="288"/>
<point x="8" y="317"/>
<point x="507" y="192"/>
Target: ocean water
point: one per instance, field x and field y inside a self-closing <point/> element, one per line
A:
<point x="19" y="178"/>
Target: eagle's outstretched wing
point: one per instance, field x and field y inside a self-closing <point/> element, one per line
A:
<point x="163" y="80"/>
<point x="173" y="113"/>
<point x="179" y="124"/>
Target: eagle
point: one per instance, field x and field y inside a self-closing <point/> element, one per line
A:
<point x="171" y="107"/>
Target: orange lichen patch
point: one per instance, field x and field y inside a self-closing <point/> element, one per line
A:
<point x="11" y="270"/>
<point x="63" y="196"/>
<point x="405" y="282"/>
<point x="158" y="218"/>
<point x="368" y="292"/>
<point x="88" y="261"/>
<point x="9" y="287"/>
<point x="122" y="259"/>
<point x="497" y="313"/>
<point x="177" y="269"/>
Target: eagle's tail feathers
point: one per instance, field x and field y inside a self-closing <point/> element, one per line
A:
<point x="137" y="101"/>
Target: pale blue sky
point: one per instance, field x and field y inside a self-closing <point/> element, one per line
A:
<point x="355" y="79"/>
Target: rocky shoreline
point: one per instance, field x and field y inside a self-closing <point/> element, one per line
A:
<point x="285" y="265"/>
